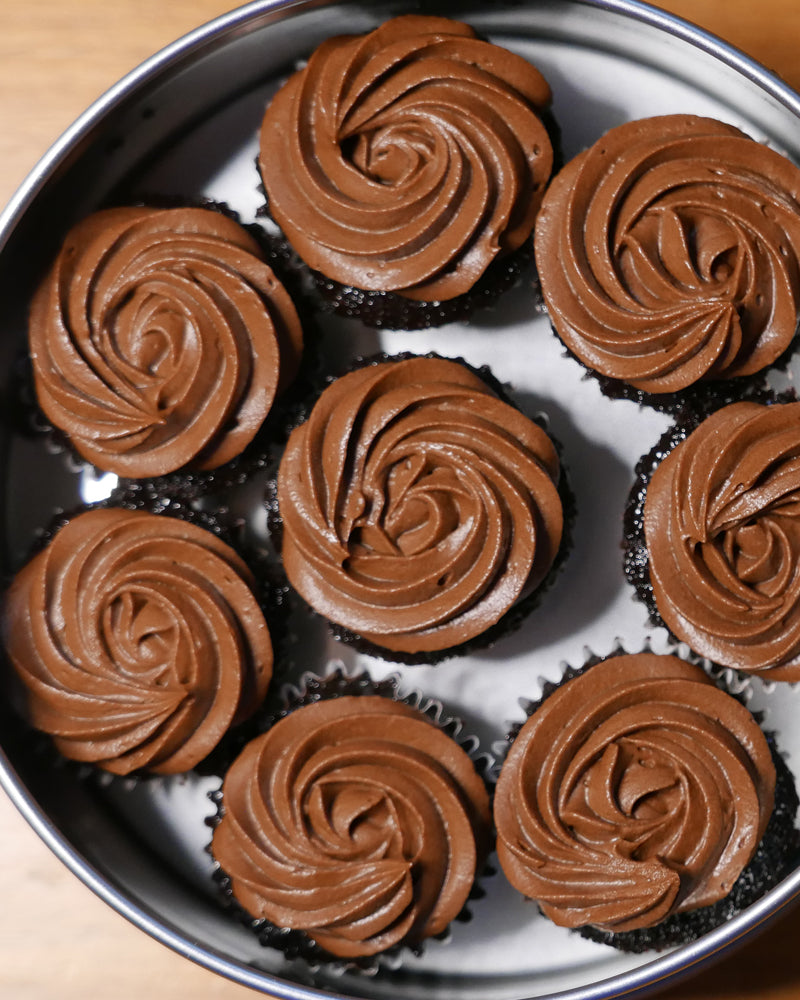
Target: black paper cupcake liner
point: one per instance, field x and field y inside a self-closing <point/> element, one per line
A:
<point x="391" y="311"/>
<point x="713" y="393"/>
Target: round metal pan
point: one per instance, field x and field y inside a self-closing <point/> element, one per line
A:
<point x="184" y="125"/>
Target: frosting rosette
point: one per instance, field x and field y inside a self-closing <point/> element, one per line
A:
<point x="356" y="820"/>
<point x="407" y="159"/>
<point x="160" y="338"/>
<point x="636" y="790"/>
<point x="668" y="253"/>
<point x="138" y="641"/>
<point x="722" y="529"/>
<point x="417" y="506"/>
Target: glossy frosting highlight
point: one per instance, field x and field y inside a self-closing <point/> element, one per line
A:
<point x="138" y="640"/>
<point x="417" y="507"/>
<point x="407" y="159"/>
<point x="636" y="790"/>
<point x="722" y="527"/>
<point x="160" y="338"/>
<point x="668" y="253"/>
<point x="357" y="820"/>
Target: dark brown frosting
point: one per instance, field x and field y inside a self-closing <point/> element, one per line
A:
<point x="636" y="790"/>
<point x="138" y="641"/>
<point x="722" y="527"/>
<point x="159" y="339"/>
<point x="668" y="253"/>
<point x="407" y="159"/>
<point x="417" y="506"/>
<point x="357" y="820"/>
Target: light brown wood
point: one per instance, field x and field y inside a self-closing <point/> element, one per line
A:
<point x="56" y="938"/>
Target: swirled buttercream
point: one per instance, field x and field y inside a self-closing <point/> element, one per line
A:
<point x="636" y="790"/>
<point x="722" y="528"/>
<point x="138" y="641"/>
<point x="668" y="253"/>
<point x="417" y="506"/>
<point x="159" y="339"/>
<point x="357" y="820"/>
<point x="406" y="160"/>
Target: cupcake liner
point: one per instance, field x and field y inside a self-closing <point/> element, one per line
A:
<point x="714" y="392"/>
<point x="271" y="595"/>
<point x="636" y="564"/>
<point x="777" y="853"/>
<point x="391" y="311"/>
<point x="310" y="688"/>
<point x="518" y="612"/>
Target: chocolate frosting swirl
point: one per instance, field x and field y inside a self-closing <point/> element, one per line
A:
<point x="668" y="253"/>
<point x="636" y="790"/>
<point x="138" y="641"/>
<point x="722" y="527"/>
<point x="159" y="339"/>
<point x="357" y="820"/>
<point x="407" y="159"/>
<point x="417" y="506"/>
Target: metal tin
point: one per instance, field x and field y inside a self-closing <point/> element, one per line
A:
<point x="184" y="124"/>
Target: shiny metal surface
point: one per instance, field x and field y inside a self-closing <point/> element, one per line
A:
<point x="135" y="137"/>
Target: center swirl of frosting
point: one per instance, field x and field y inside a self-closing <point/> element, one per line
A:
<point x="406" y="160"/>
<point x="160" y="338"/>
<point x="722" y="525"/>
<point x="636" y="790"/>
<point x="356" y="820"/>
<point x="138" y="640"/>
<point x="668" y="253"/>
<point x="417" y="506"/>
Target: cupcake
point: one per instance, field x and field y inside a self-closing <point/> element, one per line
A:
<point x="355" y="825"/>
<point x="668" y="255"/>
<point x="159" y="340"/>
<point x="718" y="539"/>
<point x="406" y="167"/>
<point x="417" y="507"/>
<point x="638" y="802"/>
<point x="137" y="641"/>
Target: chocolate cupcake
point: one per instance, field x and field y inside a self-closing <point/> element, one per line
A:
<point x="418" y="508"/>
<point x="714" y="537"/>
<point x="160" y="339"/>
<point x="353" y="827"/>
<point x="137" y="641"/>
<point x="406" y="168"/>
<point x="668" y="256"/>
<point x="639" y="803"/>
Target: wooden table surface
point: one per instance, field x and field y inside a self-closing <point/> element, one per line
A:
<point x="57" y="940"/>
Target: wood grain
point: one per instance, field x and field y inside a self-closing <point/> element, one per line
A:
<point x="56" y="938"/>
